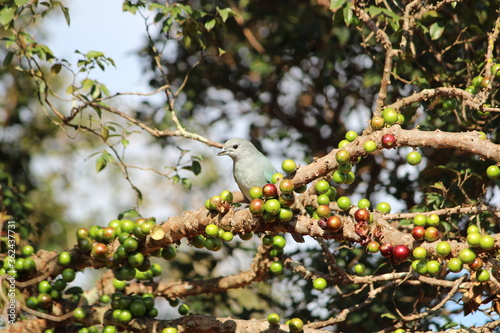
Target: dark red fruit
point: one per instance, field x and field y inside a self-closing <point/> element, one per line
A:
<point x="257" y="206"/>
<point x="334" y="223"/>
<point x="477" y="264"/>
<point x="386" y="249"/>
<point x="269" y="191"/>
<point x="362" y="215"/>
<point x="418" y="233"/>
<point x="388" y="141"/>
<point x="400" y="253"/>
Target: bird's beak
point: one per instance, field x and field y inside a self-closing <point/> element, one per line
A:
<point x="222" y="152"/>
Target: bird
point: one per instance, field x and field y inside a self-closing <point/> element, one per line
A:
<point x="250" y="167"/>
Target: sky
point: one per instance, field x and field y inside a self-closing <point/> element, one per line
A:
<point x="102" y="26"/>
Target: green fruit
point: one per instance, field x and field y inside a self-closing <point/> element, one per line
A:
<point x="344" y="203"/>
<point x="419" y="266"/>
<point x="345" y="168"/>
<point x="390" y="116"/>
<point x="198" y="241"/>
<point x="370" y="146"/>
<point x="364" y="203"/>
<point x="476" y="81"/>
<point x="432" y="220"/>
<point x="32" y="302"/>
<point x="443" y="248"/>
<point x="483" y="275"/>
<point x="268" y="240"/>
<point x="183" y="309"/>
<point x="277" y="177"/>
<point x="493" y="172"/>
<point x="450" y="104"/>
<point x="487" y="242"/>
<point x="474" y="239"/>
<point x="212" y="230"/>
<point x="137" y="308"/>
<point x="467" y="256"/>
<point x="420" y="220"/>
<point x="471" y="89"/>
<point x="455" y="265"/>
<point x="27" y="250"/>
<point x="79" y="313"/>
<point x="256" y="192"/>
<point x="295" y="325"/>
<point x="288" y="166"/>
<point x="119" y="284"/>
<point x="44" y="286"/>
<point x="472" y="229"/>
<point x="338" y="177"/>
<point x="343" y="143"/>
<point x="319" y="284"/>
<point x="351" y="136"/>
<point x="342" y="156"/>
<point x="350" y="178"/>
<point x="125" y="316"/>
<point x="276" y="267"/>
<point x="322" y="187"/>
<point x="419" y="253"/>
<point x="495" y="70"/>
<point x="273" y="318"/>
<point x="272" y="206"/>
<point x="301" y="189"/>
<point x="169" y="330"/>
<point x="168" y="252"/>
<point x="383" y="207"/>
<point x="227" y="196"/>
<point x="279" y="242"/>
<point x="246" y="236"/>
<point x="359" y="269"/>
<point x="414" y="158"/>
<point x="433" y="267"/>
<point x="323" y="199"/>
<point x="227" y="236"/>
<point x="131" y="244"/>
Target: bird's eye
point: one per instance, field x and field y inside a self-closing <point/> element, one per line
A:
<point x="235" y="147"/>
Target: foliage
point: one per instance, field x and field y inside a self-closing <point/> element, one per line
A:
<point x="296" y="75"/>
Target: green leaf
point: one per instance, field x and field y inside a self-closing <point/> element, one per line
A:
<point x="176" y="179"/>
<point x="436" y="30"/>
<point x="55" y="69"/>
<point x="20" y="3"/>
<point x="388" y="315"/>
<point x="94" y="54"/>
<point x="348" y="15"/>
<point x="210" y="24"/>
<point x="336" y="5"/>
<point x="7" y="15"/>
<point x="8" y="59"/>
<point x="224" y="13"/>
<point x="196" y="167"/>
<point x="100" y="163"/>
<point x="125" y="142"/>
<point x="186" y="182"/>
<point x="65" y="11"/>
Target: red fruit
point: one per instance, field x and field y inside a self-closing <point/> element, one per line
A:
<point x="431" y="234"/>
<point x="388" y="141"/>
<point x="401" y="253"/>
<point x="477" y="264"/>
<point x="418" y="233"/>
<point x="269" y="191"/>
<point x="362" y="215"/>
<point x="286" y="186"/>
<point x="334" y="223"/>
<point x="257" y="206"/>
<point x="99" y="250"/>
<point x="386" y="249"/>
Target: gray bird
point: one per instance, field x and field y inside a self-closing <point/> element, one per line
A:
<point x="250" y="167"/>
